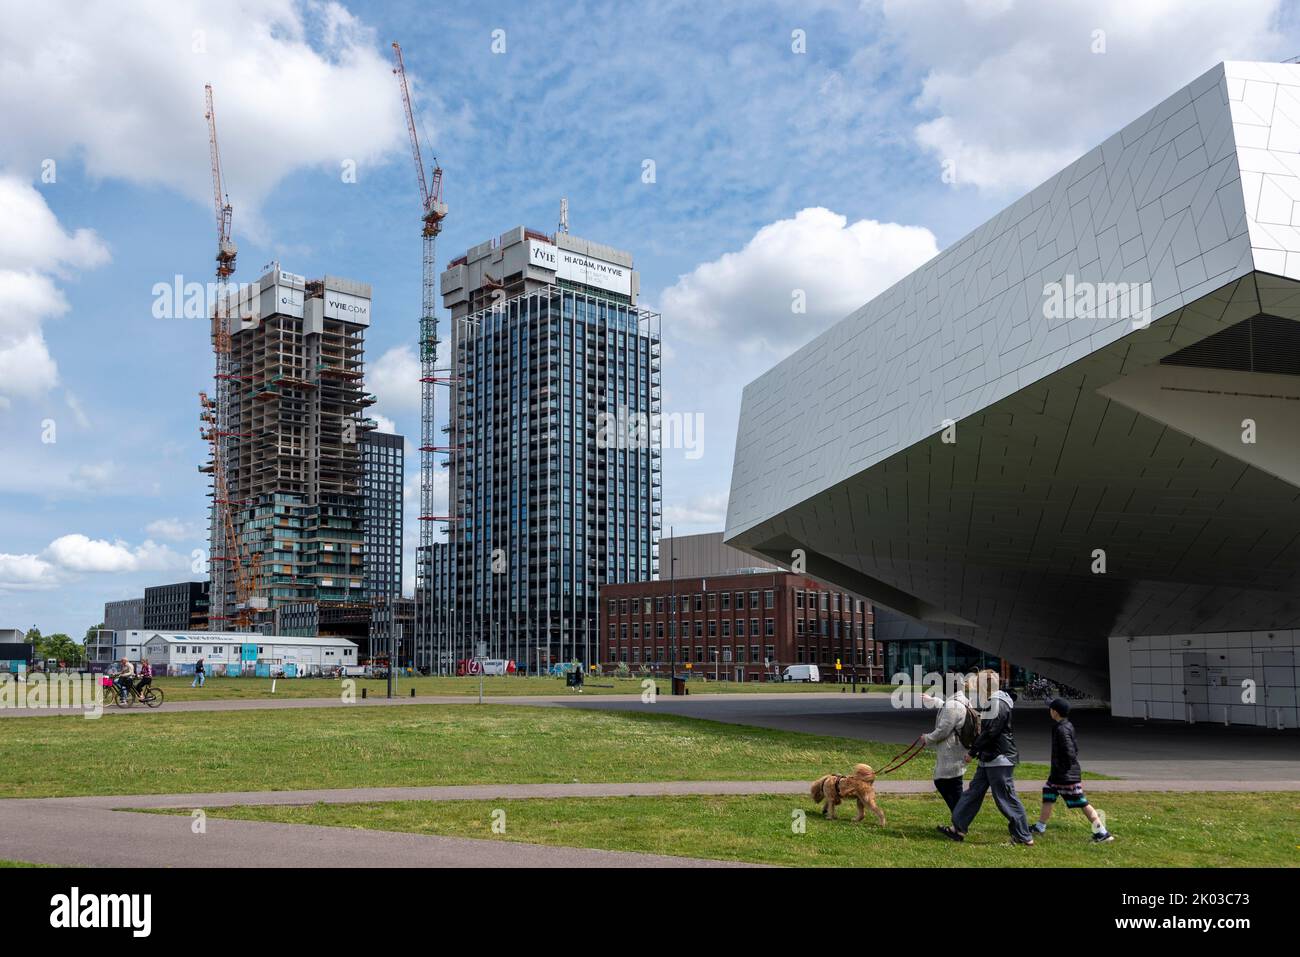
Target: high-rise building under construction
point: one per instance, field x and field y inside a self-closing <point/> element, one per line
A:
<point x="293" y="461"/>
<point x="552" y="450"/>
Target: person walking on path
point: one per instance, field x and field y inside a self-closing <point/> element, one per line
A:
<point x="949" y="752"/>
<point x="200" y="675"/>
<point x="995" y="747"/>
<point x="1065" y="780"/>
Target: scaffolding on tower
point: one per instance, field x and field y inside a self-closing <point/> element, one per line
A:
<point x="432" y="213"/>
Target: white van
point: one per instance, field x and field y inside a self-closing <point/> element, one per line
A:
<point x="801" y="673"/>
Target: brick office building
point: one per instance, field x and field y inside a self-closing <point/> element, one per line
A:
<point x="738" y="626"/>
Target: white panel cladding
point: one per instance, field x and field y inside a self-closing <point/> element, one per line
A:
<point x="1265" y="103"/>
<point x="1158" y="203"/>
<point x="1234" y="677"/>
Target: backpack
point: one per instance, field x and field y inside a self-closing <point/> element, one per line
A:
<point x="969" y="728"/>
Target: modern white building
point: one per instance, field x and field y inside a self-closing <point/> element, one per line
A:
<point x="234" y="653"/>
<point x="1079" y="421"/>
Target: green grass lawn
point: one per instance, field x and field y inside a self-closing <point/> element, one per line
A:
<point x="1152" y="829"/>
<point x="299" y="748"/>
<point x="219" y="689"/>
<point x="4" y="864"/>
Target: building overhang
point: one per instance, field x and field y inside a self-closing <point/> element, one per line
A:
<point x="1030" y="470"/>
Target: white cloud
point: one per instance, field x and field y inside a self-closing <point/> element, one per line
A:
<point x="66" y="559"/>
<point x="1017" y="92"/>
<point x="749" y="296"/>
<point x="26" y="367"/>
<point x="708" y="512"/>
<point x="33" y="248"/>
<point x="395" y="380"/>
<point x="31" y="238"/>
<point x="172" y="529"/>
<point x="121" y="87"/>
<point x="78" y="411"/>
<point x="79" y="553"/>
<point x="94" y="476"/>
<point x="22" y="572"/>
<point x="385" y="424"/>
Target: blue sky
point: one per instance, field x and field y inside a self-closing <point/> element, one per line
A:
<point x="795" y="147"/>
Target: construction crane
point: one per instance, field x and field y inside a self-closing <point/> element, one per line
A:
<point x="227" y="553"/>
<point x="432" y="213"/>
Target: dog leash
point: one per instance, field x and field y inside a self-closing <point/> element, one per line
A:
<point x="913" y="749"/>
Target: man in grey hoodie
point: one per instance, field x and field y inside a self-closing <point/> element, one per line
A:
<point x="949" y="754"/>
<point x="996" y="749"/>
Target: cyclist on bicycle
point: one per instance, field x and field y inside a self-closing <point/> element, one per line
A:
<point x="146" y="676"/>
<point x="123" y="679"/>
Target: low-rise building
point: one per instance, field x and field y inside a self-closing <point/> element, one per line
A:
<point x="15" y="651"/>
<point x="99" y="647"/>
<point x="739" y="626"/>
<point x="235" y="654"/>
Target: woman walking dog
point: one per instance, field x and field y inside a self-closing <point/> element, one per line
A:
<point x="946" y="739"/>
<point x="995" y="747"/>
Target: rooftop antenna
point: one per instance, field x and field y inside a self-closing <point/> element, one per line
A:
<point x="564" y="214"/>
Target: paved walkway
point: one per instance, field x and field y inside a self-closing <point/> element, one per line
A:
<point x="92" y="832"/>
<point x="497" y="792"/>
<point x="106" y="831"/>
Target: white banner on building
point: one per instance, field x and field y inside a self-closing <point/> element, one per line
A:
<point x="288" y="301"/>
<point x="576" y="267"/>
<point x="341" y="305"/>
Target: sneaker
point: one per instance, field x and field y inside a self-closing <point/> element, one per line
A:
<point x="1038" y="827"/>
<point x="950" y="832"/>
<point x="1103" y="837"/>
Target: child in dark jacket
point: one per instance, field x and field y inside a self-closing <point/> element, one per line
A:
<point x="1066" y="777"/>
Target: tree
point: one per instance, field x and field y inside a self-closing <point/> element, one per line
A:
<point x="71" y="652"/>
<point x="60" y="647"/>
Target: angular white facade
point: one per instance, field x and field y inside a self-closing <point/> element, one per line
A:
<point x="966" y="447"/>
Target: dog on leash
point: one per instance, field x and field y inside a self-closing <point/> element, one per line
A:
<point x="860" y="786"/>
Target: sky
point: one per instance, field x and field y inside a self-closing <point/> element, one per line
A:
<point x="771" y="166"/>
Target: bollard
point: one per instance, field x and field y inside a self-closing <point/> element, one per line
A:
<point x="412" y="692"/>
<point x="363" y="692"/>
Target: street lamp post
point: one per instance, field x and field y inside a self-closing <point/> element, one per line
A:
<point x="386" y="618"/>
<point x="672" y="574"/>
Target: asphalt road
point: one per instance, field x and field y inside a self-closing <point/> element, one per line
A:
<point x="1123" y="747"/>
